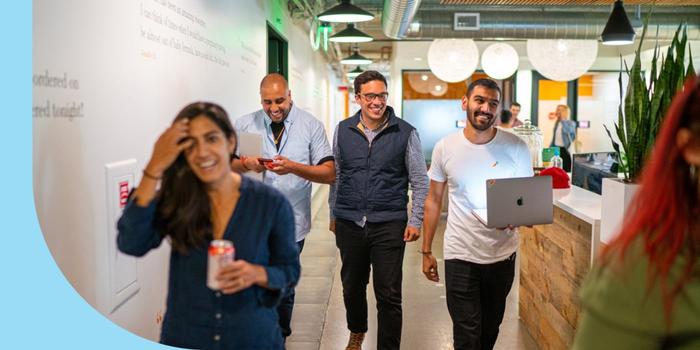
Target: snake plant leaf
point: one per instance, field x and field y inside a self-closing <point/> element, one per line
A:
<point x="645" y="102"/>
<point x="691" y="70"/>
<point x="620" y="112"/>
<point x="679" y="66"/>
<point x="616" y="147"/>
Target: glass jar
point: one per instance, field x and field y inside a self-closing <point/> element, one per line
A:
<point x="532" y="136"/>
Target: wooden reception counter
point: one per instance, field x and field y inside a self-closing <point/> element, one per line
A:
<point x="554" y="260"/>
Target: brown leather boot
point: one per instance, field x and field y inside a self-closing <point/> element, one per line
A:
<point x="355" y="341"/>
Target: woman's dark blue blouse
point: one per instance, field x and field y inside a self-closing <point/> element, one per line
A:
<point x="262" y="231"/>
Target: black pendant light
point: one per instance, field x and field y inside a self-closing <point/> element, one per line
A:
<point x="356" y="58"/>
<point x="350" y="35"/>
<point x="618" y="30"/>
<point x="354" y="73"/>
<point x="345" y="12"/>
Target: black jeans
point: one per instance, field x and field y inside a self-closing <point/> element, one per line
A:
<point x="381" y="247"/>
<point x="286" y="306"/>
<point x="476" y="300"/>
<point x="566" y="158"/>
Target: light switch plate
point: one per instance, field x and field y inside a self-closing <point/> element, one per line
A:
<point x="122" y="269"/>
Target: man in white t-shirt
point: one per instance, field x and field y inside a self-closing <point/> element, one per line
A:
<point x="479" y="261"/>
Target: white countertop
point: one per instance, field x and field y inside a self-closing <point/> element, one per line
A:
<point x="581" y="203"/>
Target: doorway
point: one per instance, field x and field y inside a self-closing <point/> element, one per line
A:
<point x="277" y="58"/>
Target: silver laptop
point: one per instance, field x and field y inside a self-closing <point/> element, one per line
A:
<point x="251" y="144"/>
<point x="517" y="201"/>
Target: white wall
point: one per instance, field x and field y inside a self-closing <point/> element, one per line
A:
<point x="408" y="55"/>
<point x="128" y="78"/>
<point x="523" y="93"/>
<point x="601" y="110"/>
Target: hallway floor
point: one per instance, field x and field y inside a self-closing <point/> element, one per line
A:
<point x="319" y="315"/>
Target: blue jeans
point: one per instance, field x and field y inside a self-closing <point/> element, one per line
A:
<point x="286" y="306"/>
<point x="476" y="300"/>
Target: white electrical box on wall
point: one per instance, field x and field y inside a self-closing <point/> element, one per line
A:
<point x="122" y="273"/>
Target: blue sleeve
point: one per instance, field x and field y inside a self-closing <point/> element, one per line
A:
<point x="283" y="269"/>
<point x="334" y="188"/>
<point x="319" y="148"/>
<point x="417" y="175"/>
<point x="135" y="232"/>
<point x="238" y="127"/>
<point x="571" y="129"/>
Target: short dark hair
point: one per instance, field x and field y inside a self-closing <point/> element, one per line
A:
<point x="487" y="83"/>
<point x="515" y="104"/>
<point x="506" y="115"/>
<point x="366" y="77"/>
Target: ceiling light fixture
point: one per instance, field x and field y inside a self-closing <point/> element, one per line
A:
<point x="562" y="59"/>
<point x="356" y="58"/>
<point x="354" y="73"/>
<point x="618" y="30"/>
<point x="350" y="35"/>
<point x="453" y="60"/>
<point x="420" y="82"/>
<point x="345" y="12"/>
<point x="500" y="61"/>
<point x="439" y="89"/>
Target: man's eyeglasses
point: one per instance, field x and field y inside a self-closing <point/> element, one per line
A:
<point x="371" y="97"/>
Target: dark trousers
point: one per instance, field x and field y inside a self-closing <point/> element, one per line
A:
<point x="286" y="306"/>
<point x="381" y="247"/>
<point x="566" y="158"/>
<point x="476" y="300"/>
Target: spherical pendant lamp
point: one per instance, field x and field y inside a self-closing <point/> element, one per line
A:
<point x="438" y="88"/>
<point x="562" y="60"/>
<point x="418" y="82"/>
<point x="500" y="61"/>
<point x="453" y="60"/>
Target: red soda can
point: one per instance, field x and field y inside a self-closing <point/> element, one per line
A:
<point x="221" y="253"/>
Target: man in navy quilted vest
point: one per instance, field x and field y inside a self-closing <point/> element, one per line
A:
<point x="377" y="155"/>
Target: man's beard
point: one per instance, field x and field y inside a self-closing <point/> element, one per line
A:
<point x="481" y="127"/>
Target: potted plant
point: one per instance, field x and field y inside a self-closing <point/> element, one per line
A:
<point x="639" y="119"/>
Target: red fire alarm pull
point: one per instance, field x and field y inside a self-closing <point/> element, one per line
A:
<point x="123" y="193"/>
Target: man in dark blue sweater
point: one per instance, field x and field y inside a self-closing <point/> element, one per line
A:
<point x="377" y="156"/>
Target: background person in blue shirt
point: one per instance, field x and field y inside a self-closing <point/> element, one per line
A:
<point x="201" y="199"/>
<point x="564" y="134"/>
<point x="297" y="142"/>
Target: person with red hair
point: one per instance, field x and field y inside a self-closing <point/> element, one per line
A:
<point x="645" y="291"/>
